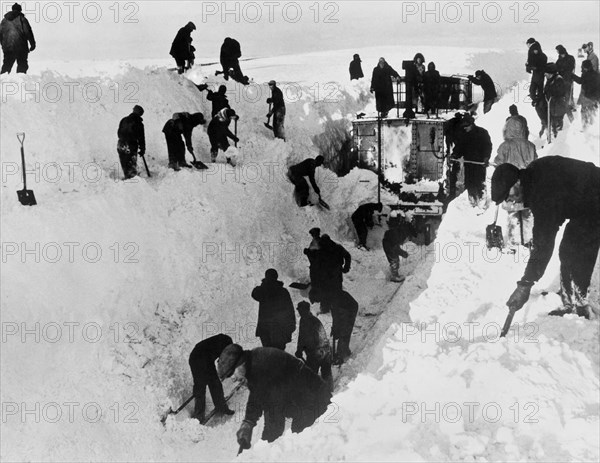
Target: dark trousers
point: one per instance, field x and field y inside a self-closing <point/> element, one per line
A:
<point x="266" y="341"/>
<point x="176" y="149"/>
<point x="475" y="180"/>
<point x="578" y="251"/>
<point x="301" y="190"/>
<point x="180" y="62"/>
<point x="279" y="123"/>
<point x="9" y="59"/>
<point x="205" y="374"/>
<point x="536" y="87"/>
<point x="128" y="158"/>
<point x="361" y="231"/>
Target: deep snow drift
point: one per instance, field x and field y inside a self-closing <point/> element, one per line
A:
<point x="116" y="281"/>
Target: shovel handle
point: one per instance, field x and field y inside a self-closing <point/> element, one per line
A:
<point x="21" y="137"/>
<point x="496" y="214"/>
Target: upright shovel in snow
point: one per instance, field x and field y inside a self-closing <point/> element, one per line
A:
<point x="493" y="233"/>
<point x="146" y="166"/>
<point x="26" y="197"/>
<point x="508" y="321"/>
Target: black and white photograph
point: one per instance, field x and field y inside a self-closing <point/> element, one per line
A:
<point x="300" y="231"/>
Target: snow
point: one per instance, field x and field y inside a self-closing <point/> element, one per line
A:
<point x="117" y="281"/>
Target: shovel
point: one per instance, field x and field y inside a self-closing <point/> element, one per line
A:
<point x="298" y="285"/>
<point x="549" y="120"/>
<point x="197" y="164"/>
<point x="146" y="166"/>
<point x="323" y="203"/>
<point x="267" y="125"/>
<point x="493" y="234"/>
<point x="235" y="131"/>
<point x="26" y="197"/>
<point x="508" y="322"/>
<point x="163" y="420"/>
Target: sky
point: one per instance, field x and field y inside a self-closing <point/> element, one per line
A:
<point x="106" y="30"/>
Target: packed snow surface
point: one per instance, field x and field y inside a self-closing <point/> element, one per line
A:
<point x="107" y="285"/>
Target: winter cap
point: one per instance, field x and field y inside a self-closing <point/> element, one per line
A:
<point x="467" y="120"/>
<point x="137" y="109"/>
<point x="561" y="50"/>
<point x="271" y="274"/>
<point x="478" y="73"/>
<point x="503" y="179"/>
<point x="590" y="44"/>
<point x="222" y="89"/>
<point x="191" y="26"/>
<point x="303" y="305"/>
<point x="272" y="82"/>
<point x="584" y="46"/>
<point x="314" y="232"/>
<point x="319" y="160"/>
<point x="230" y="358"/>
<point x="198" y="118"/>
<point x="17" y="7"/>
<point x="551" y="68"/>
<point x="513" y="110"/>
<point x="530" y="40"/>
<point x="357" y="57"/>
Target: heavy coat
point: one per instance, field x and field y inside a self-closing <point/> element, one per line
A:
<point x="218" y="131"/>
<point x="181" y="46"/>
<point x="180" y="125"/>
<point x="131" y="132"/>
<point x="334" y="261"/>
<point x="231" y="51"/>
<point x="565" y="66"/>
<point x="312" y="339"/>
<point x="475" y="145"/>
<point x="219" y="101"/>
<point x="395" y="237"/>
<point x="536" y="62"/>
<point x="303" y="169"/>
<point x="590" y="87"/>
<point x="556" y="89"/>
<point x="276" y="318"/>
<point x="343" y="314"/>
<point x="355" y="69"/>
<point x="15" y="33"/>
<point x="381" y="84"/>
<point x="282" y="386"/>
<point x="487" y="84"/>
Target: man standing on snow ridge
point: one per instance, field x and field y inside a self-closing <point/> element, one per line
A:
<point x="381" y="84"/>
<point x="131" y="138"/>
<point x="15" y="33"/>
<point x="557" y="189"/>
<point x="181" y="125"/>
<point x="536" y="65"/>
<point x="489" y="89"/>
<point x="277" y="110"/>
<point x="181" y="48"/>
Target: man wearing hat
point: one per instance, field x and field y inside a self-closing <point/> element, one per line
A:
<point x="356" y="68"/>
<point x="312" y="253"/>
<point x="566" y="65"/>
<point x="381" y="84"/>
<point x="591" y="55"/>
<point x="281" y="386"/>
<point x="557" y="189"/>
<point x="181" y="125"/>
<point x="536" y="63"/>
<point x="131" y="139"/>
<point x="474" y="145"/>
<point x="218" y="132"/>
<point x="181" y="48"/>
<point x="276" y="318"/>
<point x="277" y="110"/>
<point x="16" y="38"/>
<point x="296" y="174"/>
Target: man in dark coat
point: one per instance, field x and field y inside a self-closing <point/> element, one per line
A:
<point x="312" y="253"/>
<point x="313" y="341"/>
<point x="16" y="38"/>
<point x="565" y="64"/>
<point x="555" y="93"/>
<point x="276" y="318"/>
<point x="591" y="55"/>
<point x="202" y="364"/>
<point x="395" y="236"/>
<point x="556" y="189"/>
<point x="231" y="53"/>
<point x="219" y="100"/>
<point x="181" y="125"/>
<point x="281" y="386"/>
<point x="344" y="309"/>
<point x="181" y="48"/>
<point x="362" y="219"/>
<point x="536" y="65"/>
<point x="489" y="89"/>
<point x="131" y="139"/>
<point x="219" y="133"/>
<point x="277" y="110"/>
<point x="356" y="68"/>
<point x="334" y="261"/>
<point x="296" y="174"/>
<point x="431" y="89"/>
<point x="589" y="97"/>
<point x="381" y="84"/>
<point x="475" y="147"/>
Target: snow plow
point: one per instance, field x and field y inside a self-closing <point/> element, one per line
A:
<point x="410" y="155"/>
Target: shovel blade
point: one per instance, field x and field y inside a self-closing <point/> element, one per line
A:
<point x="199" y="165"/>
<point x="26" y="197"/>
<point x="493" y="236"/>
<point x="324" y="204"/>
<point x="298" y="285"/>
<point x="268" y="126"/>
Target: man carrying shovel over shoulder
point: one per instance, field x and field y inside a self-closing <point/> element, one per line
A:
<point x="277" y="110"/>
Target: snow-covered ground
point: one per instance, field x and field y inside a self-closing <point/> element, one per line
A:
<point x="107" y="285"/>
